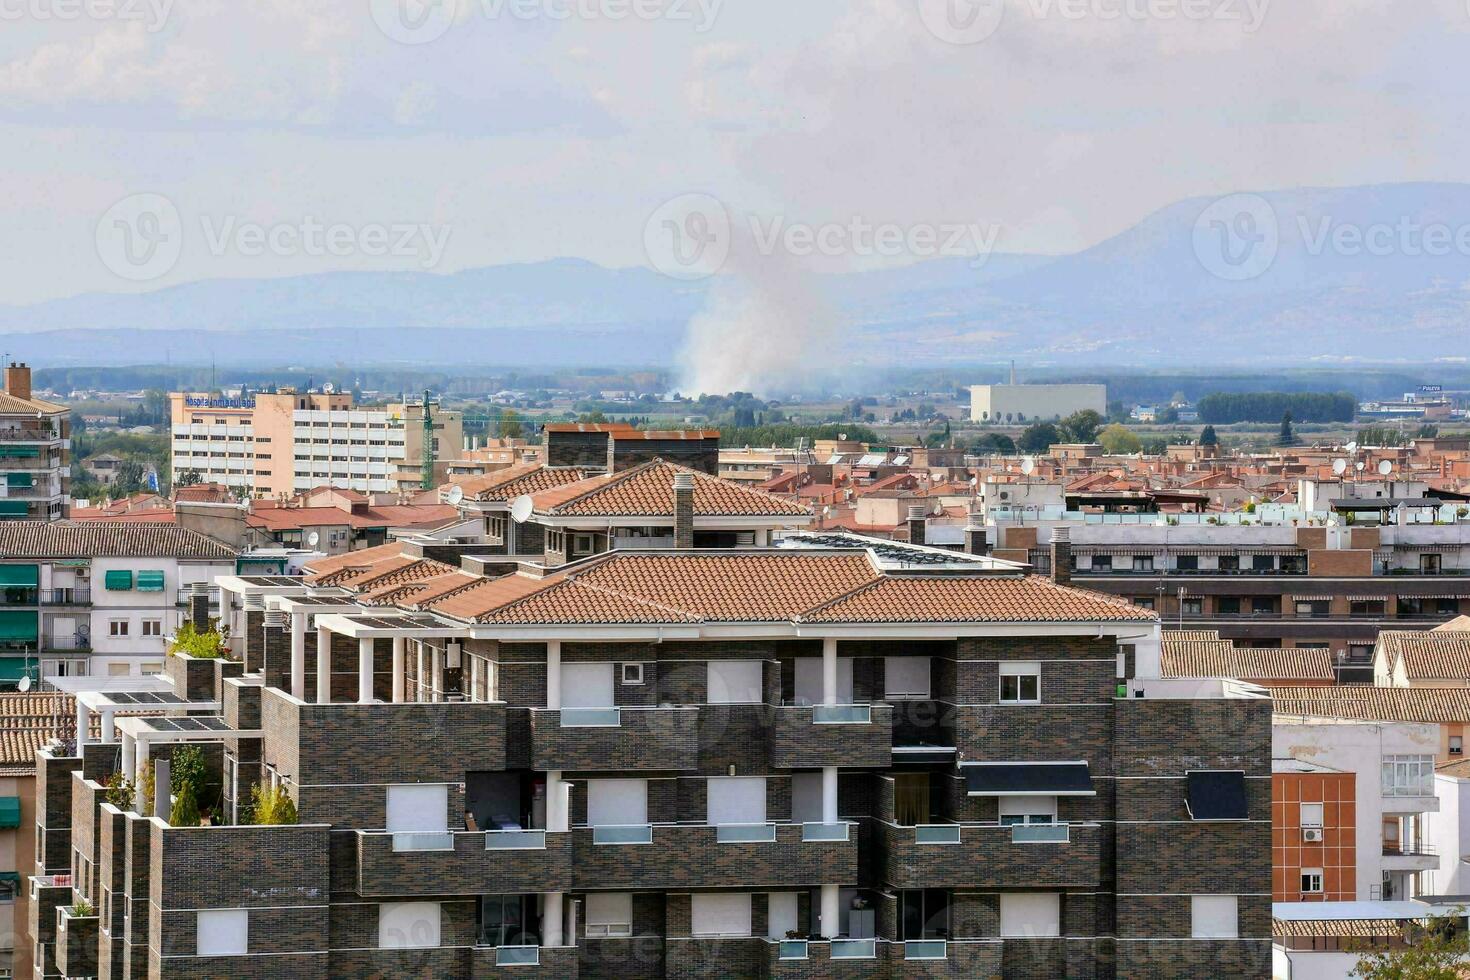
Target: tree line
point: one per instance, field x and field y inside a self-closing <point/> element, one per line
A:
<point x="1228" y="407"/>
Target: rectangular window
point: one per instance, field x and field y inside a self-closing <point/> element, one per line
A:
<point x="222" y="932"/>
<point x="734" y="682"/>
<point x="1311" y="881"/>
<point x="1408" y="775"/>
<point x="1187" y="563"/>
<point x="1227" y="606"/>
<point x="720" y="915"/>
<point x="1030" y="915"/>
<point x="1102" y="563"/>
<point x="1215" y="917"/>
<point x="408" y="925"/>
<point x="152" y="627"/>
<point x="119" y="670"/>
<point x="1457" y="744"/>
<point x="735" y="800"/>
<point x="617" y="802"/>
<point x="609" y="914"/>
<point x="1143" y="563"/>
<point x="1194" y="607"/>
<point x="117" y="627"/>
<point x="632" y="675"/>
<point x="906" y="678"/>
<point x="1020" y="683"/>
<point x="1311" y="814"/>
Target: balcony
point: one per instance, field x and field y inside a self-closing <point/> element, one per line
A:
<point x="658" y="856"/>
<point x="812" y="736"/>
<point x="984" y="855"/>
<point x="76" y="943"/>
<point x="410" y="865"/>
<point x="1409" y="857"/>
<point x="607" y="739"/>
<point x="524" y="962"/>
<point x="66" y="597"/>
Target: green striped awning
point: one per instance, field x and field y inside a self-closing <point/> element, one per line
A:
<point x="17" y="627"/>
<point x="118" y="580"/>
<point x="19" y="480"/>
<point x="20" y="576"/>
<point x="19" y="451"/>
<point x="150" y="580"/>
<point x="10" y="812"/>
<point x="13" y="508"/>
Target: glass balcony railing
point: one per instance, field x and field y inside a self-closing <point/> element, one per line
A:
<point x="515" y="840"/>
<point x="423" y="841"/>
<point x="632" y="834"/>
<point x="517" y="955"/>
<point x="745" y="833"/>
<point x="854" y="949"/>
<point x="842" y="714"/>
<point x="591" y="718"/>
<point x="793" y="949"/>
<point x="925" y="949"/>
<point x="824" y="832"/>
<point x="937" y="834"/>
<point x="1040" y="833"/>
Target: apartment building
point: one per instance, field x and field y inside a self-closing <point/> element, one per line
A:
<point x="276" y="444"/>
<point x="774" y="762"/>
<point x="35" y="452"/>
<point x="93" y="597"/>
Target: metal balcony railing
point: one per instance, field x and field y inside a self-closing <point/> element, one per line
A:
<point x="1395" y="849"/>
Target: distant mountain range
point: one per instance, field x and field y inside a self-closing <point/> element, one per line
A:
<point x="1352" y="277"/>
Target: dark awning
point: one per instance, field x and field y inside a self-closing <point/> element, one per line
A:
<point x="1216" y="795"/>
<point x="1028" y="779"/>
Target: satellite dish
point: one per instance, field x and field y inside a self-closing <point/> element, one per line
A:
<point x="1385" y="467"/>
<point x="974" y="481"/>
<point x="455" y="496"/>
<point x="1028" y="466"/>
<point x="25" y="683"/>
<point x="521" y="508"/>
<point x="1351" y="447"/>
<point x="313" y="539"/>
<point x="1339" y="466"/>
<point x="1359" y="465"/>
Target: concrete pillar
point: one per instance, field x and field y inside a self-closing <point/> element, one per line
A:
<point x="129" y="760"/>
<point x="323" y="665"/>
<point x="418" y="667"/>
<point x="84" y="727"/>
<point x="365" y="670"/>
<point x="558" y="803"/>
<point x="436" y="671"/>
<point x="551" y="919"/>
<point x="298" y="656"/>
<point x="109" y="735"/>
<point x="142" y="767"/>
<point x="553" y="675"/>
<point x="829" y="794"/>
<point x="398" y="645"/>
<point x="830" y="914"/>
<point x="829" y="671"/>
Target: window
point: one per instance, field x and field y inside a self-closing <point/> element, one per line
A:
<point x="1312" y="608"/>
<point x="1027" y="810"/>
<point x="222" y="932"/>
<point x="418" y="808"/>
<point x="735" y="800"/>
<point x="734" y="682"/>
<point x="1311" y="814"/>
<point x="1030" y="915"/>
<point x="1408" y="775"/>
<point x="117" y="627"/>
<point x="1193" y="607"/>
<point x="152" y="627"/>
<point x="408" y="925"/>
<point x="610" y="914"/>
<point x="1311" y="881"/>
<point x="148" y="668"/>
<point x="720" y="915"/>
<point x="1457" y="745"/>
<point x="1144" y="602"/>
<point x="1187" y="563"/>
<point x="1227" y="606"/>
<point x="1430" y="564"/>
<point x="1263" y="563"/>
<point x="582" y="544"/>
<point x="118" y="670"/>
<point x="1020" y="683"/>
<point x="1143" y="563"/>
<point x="633" y="674"/>
<point x="1102" y="563"/>
<point x="906" y="678"/>
<point x="617" y="802"/>
<point x="1214" y="917"/>
<point x="1229" y="563"/>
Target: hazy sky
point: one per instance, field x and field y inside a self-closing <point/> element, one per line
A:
<point x="529" y="129"/>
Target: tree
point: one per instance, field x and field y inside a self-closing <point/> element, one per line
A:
<point x="994" y="443"/>
<point x="1433" y="951"/>
<point x="510" y="425"/>
<point x="1287" y="437"/>
<point x="130" y="476"/>
<point x="1038" y="438"/>
<point x="1118" y="441"/>
<point x="188" y="478"/>
<point x="1082" y="426"/>
<point x="186" y="809"/>
<point x="1207" y="436"/>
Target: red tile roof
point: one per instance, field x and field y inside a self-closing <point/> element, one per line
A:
<point x="647" y="491"/>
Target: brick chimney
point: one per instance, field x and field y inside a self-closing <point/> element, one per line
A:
<point x="199" y="605"/>
<point x="916" y="524"/>
<point x="684" y="511"/>
<point x="1061" y="555"/>
<point x="18" y="380"/>
<point x="977" y="539"/>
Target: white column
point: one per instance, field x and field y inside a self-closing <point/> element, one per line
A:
<point x="829" y="671"/>
<point x="142" y="767"/>
<point x="418" y="667"/>
<point x="323" y="665"/>
<point x="129" y="760"/>
<point x="436" y="665"/>
<point x="829" y="794"/>
<point x="553" y="675"/>
<point x="365" y="670"/>
<point x="109" y="736"/>
<point x="551" y="914"/>
<point x="398" y="645"/>
<point x="558" y="803"/>
<point x="474" y="692"/>
<point x="84" y="726"/>
<point x="298" y="656"/>
<point x="830" y="914"/>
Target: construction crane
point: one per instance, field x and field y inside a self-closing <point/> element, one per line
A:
<point x="430" y="454"/>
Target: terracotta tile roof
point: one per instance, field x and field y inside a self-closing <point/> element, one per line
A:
<point x="516" y="481"/>
<point x="11" y="405"/>
<point x="1455" y="625"/>
<point x="975" y="599"/>
<point x="378" y="579"/>
<point x="1188" y="635"/>
<point x="418" y="593"/>
<point x="490" y="594"/>
<point x="352" y="559"/>
<point x="1363" y="703"/>
<point x="647" y="491"/>
<point x="1221" y="658"/>
<point x="1428" y="654"/>
<point x="106" y="539"/>
<point x="1342" y="928"/>
<point x="395" y="515"/>
<point x="28" y="722"/>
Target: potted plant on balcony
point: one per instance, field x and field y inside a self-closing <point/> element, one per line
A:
<point x="272" y="807"/>
<point x="119" y="791"/>
<point x="210" y="644"/>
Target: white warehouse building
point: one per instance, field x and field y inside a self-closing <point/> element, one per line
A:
<point x="1028" y="403"/>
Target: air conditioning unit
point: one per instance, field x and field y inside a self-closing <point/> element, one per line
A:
<point x="1312" y="835"/>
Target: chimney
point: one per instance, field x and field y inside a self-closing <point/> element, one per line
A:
<point x="916" y="524"/>
<point x="683" y="511"/>
<point x="199" y="605"/>
<point x="18" y="380"/>
<point x="977" y="539"/>
<point x="1061" y="555"/>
